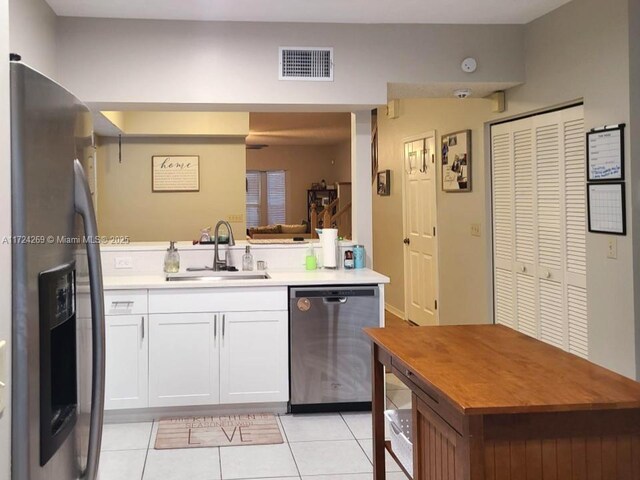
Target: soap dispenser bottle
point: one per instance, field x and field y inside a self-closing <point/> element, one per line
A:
<point x="247" y="259"/>
<point x="172" y="259"/>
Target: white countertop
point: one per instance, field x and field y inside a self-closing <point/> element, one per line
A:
<point x="277" y="278"/>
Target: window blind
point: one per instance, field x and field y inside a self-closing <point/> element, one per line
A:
<point x="276" y="197"/>
<point x="253" y="198"/>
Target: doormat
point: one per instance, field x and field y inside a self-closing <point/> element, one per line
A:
<point x="219" y="431"/>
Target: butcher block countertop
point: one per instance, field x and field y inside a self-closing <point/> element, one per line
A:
<point x="492" y="369"/>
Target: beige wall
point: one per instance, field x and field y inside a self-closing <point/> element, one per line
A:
<point x="580" y="51"/>
<point x="463" y="260"/>
<point x="127" y="206"/>
<point x="304" y="164"/>
<point x="216" y="124"/>
<point x="236" y="63"/>
<point x="342" y="157"/>
<point x="5" y="230"/>
<point x="32" y="30"/>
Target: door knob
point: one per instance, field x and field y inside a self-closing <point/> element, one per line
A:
<point x="523" y="269"/>
<point x="406" y="241"/>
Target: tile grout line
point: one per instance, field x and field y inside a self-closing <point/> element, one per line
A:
<point x="348" y="427"/>
<point x="146" y="455"/>
<point x="286" y="438"/>
<point x="357" y="440"/>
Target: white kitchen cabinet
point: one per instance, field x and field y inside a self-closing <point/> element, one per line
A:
<point x="254" y="355"/>
<point x="184" y="359"/>
<point x="126" y="381"/>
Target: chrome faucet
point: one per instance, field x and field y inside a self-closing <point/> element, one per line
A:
<point x="217" y="263"/>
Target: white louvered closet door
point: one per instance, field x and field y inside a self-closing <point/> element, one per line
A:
<point x="502" y="153"/>
<point x="539" y="209"/>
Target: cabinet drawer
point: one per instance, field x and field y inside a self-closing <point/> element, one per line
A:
<point x="221" y="299"/>
<point x="125" y="302"/>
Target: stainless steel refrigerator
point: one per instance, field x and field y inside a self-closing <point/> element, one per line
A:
<point x="56" y="427"/>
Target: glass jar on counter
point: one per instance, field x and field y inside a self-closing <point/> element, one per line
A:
<point x="348" y="260"/>
<point x="358" y="256"/>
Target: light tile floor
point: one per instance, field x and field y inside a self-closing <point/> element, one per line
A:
<point x="335" y="446"/>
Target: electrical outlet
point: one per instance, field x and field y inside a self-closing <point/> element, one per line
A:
<point x="612" y="248"/>
<point x="237" y="217"/>
<point x="123" y="262"/>
<point x="475" y="229"/>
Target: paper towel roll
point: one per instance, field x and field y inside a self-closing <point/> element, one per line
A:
<point x="329" y="242"/>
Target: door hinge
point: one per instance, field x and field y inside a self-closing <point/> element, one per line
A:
<point x="436" y="304"/>
<point x="434" y="231"/>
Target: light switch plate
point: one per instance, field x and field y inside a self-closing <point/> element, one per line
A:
<point x="123" y="262"/>
<point x="612" y="248"/>
<point x="238" y="217"/>
<point x="475" y="229"/>
<point x="3" y="374"/>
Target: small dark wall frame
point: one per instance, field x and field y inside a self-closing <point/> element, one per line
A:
<point x="618" y="173"/>
<point x="623" y="208"/>
<point x="384" y="183"/>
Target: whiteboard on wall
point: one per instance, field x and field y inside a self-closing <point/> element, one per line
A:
<point x="175" y="173"/>
<point x="605" y="154"/>
<point x="607" y="208"/>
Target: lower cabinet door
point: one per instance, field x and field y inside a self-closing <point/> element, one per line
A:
<point x="184" y="359"/>
<point x="439" y="451"/>
<point x="254" y="356"/>
<point x="126" y="380"/>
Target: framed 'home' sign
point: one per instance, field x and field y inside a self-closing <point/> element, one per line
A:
<point x="175" y="173"/>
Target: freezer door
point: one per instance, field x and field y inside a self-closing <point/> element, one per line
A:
<point x="330" y="355"/>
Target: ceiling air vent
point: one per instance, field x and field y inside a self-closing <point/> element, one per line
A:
<point x="306" y="63"/>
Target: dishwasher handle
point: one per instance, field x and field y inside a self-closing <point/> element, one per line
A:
<point x="334" y="299"/>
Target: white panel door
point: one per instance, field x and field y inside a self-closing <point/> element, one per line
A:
<point x="126" y="379"/>
<point x="254" y="357"/>
<point x="184" y="359"/>
<point x="420" y="232"/>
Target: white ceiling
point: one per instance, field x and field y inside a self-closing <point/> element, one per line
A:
<point x="325" y="11"/>
<point x="298" y="128"/>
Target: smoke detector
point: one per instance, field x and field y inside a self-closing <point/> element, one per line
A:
<point x="469" y="65"/>
<point x="462" y="93"/>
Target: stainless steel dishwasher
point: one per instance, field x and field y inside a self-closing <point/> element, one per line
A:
<point x="330" y="356"/>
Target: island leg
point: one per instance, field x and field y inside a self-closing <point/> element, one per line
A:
<point x="377" y="414"/>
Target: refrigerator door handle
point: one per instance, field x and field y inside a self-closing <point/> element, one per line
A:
<point x="84" y="207"/>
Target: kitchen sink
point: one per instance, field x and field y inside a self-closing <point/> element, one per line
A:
<point x="212" y="276"/>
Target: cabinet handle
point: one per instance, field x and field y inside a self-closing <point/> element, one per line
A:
<point x="224" y="323"/>
<point x="142" y="326"/>
<point x="215" y="327"/>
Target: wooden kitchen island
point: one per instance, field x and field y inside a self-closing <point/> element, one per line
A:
<point x="491" y="403"/>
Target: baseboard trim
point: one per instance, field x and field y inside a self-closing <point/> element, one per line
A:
<point x="158" y="413"/>
<point x="397" y="312"/>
